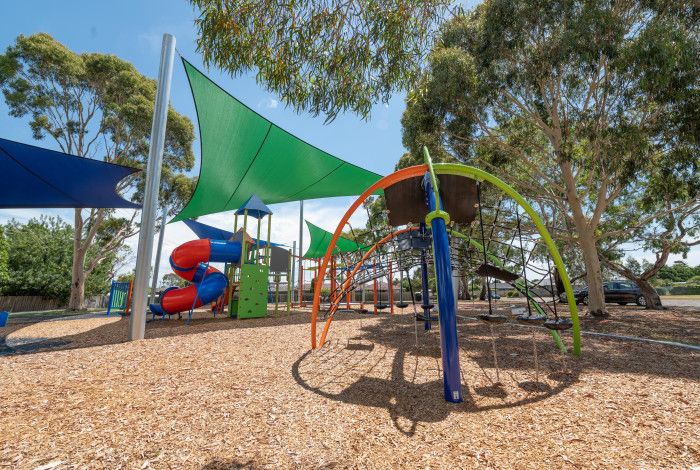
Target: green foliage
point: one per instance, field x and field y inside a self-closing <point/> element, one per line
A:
<point x="323" y="56"/>
<point x="678" y="272"/>
<point x="125" y="277"/>
<point x="173" y="280"/>
<point x="39" y="258"/>
<point x="3" y="260"/>
<point x="689" y="289"/>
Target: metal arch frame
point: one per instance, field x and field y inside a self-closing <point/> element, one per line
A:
<point x="346" y="284"/>
<point x="468" y="172"/>
<point x="383" y="183"/>
<point x="481" y="175"/>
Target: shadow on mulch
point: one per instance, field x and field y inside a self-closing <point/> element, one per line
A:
<point x="341" y="370"/>
<point x="230" y="465"/>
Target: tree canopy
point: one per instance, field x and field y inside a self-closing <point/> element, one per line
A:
<point x="39" y="260"/>
<point x="589" y="107"/>
<point x="322" y="56"/>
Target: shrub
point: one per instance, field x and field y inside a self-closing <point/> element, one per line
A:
<point x="687" y="289"/>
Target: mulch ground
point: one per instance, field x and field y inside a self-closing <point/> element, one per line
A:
<point x="250" y="394"/>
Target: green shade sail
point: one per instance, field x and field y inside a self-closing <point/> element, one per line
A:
<point x="320" y="239"/>
<point x="244" y="154"/>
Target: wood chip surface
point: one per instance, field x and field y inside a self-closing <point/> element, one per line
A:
<point x="249" y="394"/>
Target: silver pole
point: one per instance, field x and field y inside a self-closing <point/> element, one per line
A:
<point x="455" y="286"/>
<point x="301" y="239"/>
<point x="290" y="284"/>
<point x="156" y="267"/>
<point x="137" y="322"/>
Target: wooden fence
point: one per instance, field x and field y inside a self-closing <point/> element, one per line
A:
<point x="34" y="303"/>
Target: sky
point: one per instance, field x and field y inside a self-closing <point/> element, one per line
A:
<point x="133" y="31"/>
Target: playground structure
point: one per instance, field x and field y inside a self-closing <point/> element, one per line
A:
<point x="243" y="286"/>
<point x="414" y="196"/>
<point x="120" y="297"/>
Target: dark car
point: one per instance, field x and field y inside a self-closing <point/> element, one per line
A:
<point x="620" y="292"/>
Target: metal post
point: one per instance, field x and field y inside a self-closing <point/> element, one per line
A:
<point x="137" y="322"/>
<point x="455" y="285"/>
<point x="374" y="286"/>
<point x="269" y="235"/>
<point x="257" y="245"/>
<point x="156" y="267"/>
<point x="425" y="293"/>
<point x="301" y="248"/>
<point x="391" y="288"/>
<point x="292" y="272"/>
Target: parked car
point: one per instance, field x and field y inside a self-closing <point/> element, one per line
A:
<point x="620" y="292"/>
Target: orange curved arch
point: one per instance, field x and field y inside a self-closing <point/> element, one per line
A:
<point x="346" y="284"/>
<point x="389" y="180"/>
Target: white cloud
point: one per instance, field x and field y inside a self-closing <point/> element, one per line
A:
<point x="268" y="103"/>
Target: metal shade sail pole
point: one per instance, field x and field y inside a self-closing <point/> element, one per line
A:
<point x="156" y="267"/>
<point x="301" y="245"/>
<point x="291" y="280"/>
<point x="137" y="322"/>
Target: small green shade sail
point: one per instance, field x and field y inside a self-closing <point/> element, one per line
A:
<point x="244" y="154"/>
<point x="320" y="239"/>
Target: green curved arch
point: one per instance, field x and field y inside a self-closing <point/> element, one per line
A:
<point x="481" y="175"/>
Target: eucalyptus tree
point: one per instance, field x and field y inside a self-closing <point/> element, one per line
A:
<point x="95" y="106"/>
<point x="322" y="56"/>
<point x="589" y="107"/>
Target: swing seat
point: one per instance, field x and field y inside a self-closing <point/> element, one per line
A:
<point x="534" y="320"/>
<point x="489" y="270"/>
<point x="558" y="324"/>
<point x="401" y="305"/>
<point x="382" y="306"/>
<point x="427" y="306"/>
<point x="492" y="318"/>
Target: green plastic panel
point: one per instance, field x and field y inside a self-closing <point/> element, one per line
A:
<point x="252" y="291"/>
<point x="244" y="154"/>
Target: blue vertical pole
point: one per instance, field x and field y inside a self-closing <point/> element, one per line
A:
<point x="425" y="295"/>
<point x="111" y="295"/>
<point x="446" y="301"/>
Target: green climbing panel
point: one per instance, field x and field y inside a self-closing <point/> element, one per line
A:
<point x="252" y="292"/>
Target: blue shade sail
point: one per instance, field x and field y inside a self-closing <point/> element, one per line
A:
<point x="35" y="177"/>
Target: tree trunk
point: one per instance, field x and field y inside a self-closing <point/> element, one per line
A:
<point x="77" y="285"/>
<point x="464" y="288"/>
<point x="484" y="289"/>
<point x="586" y="241"/>
<point x="653" y="300"/>
<point x="594" y="276"/>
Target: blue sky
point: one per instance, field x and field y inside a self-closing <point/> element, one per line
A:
<point x="133" y="31"/>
